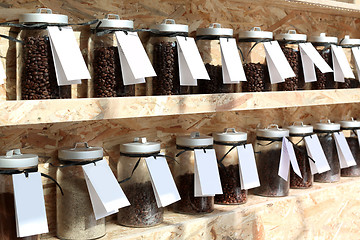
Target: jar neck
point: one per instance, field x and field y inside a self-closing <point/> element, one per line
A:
<point x="140" y="154"/>
<point x="230" y="143"/>
<point x="169" y="34"/>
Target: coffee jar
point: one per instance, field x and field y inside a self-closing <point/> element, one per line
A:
<point x="347" y="43"/>
<point x="135" y="181"/>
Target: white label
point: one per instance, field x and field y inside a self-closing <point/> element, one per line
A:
<point x="207" y="178"/>
<point x="316" y="152"/>
<point x="2" y="74"/>
<point x="341" y="65"/>
<point x="345" y="156"/>
<point x="232" y="67"/>
<point x="70" y="66"/>
<point x="191" y="66"/>
<point x="358" y="136"/>
<point x="162" y="181"/>
<point x="279" y="68"/>
<point x="105" y="192"/>
<point x="288" y="156"/>
<point x="356" y="54"/>
<point x="29" y="205"/>
<point x="249" y="177"/>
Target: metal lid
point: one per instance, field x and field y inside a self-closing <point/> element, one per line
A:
<point x="168" y="25"/>
<point x="272" y="131"/>
<point x="15" y="159"/>
<point x="300" y="129"/>
<point x="327" y="126"/>
<point x="194" y="140"/>
<point x="43" y="15"/>
<point x="80" y="153"/>
<point x="215" y="29"/>
<point x="346" y="41"/>
<point x="350" y="123"/>
<point x="291" y="35"/>
<point x="229" y="135"/>
<point x="255" y="33"/>
<point x="322" y="38"/>
<point x="114" y="21"/>
<point x="140" y="145"/>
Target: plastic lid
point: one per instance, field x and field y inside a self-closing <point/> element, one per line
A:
<point x="230" y="135"/>
<point x="114" y="21"/>
<point x="14" y="159"/>
<point x="41" y="17"/>
<point x="322" y="38"/>
<point x="349" y="41"/>
<point x="194" y="140"/>
<point x="290" y="36"/>
<point x="80" y="153"/>
<point x="327" y="126"/>
<point x="140" y="145"/>
<point x="272" y="131"/>
<point x="215" y="29"/>
<point x="168" y="25"/>
<point x="350" y="123"/>
<point x="255" y="33"/>
<point x="300" y="129"/>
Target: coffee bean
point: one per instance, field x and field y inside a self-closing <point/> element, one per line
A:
<point x="216" y="84"/>
<point x="304" y="165"/>
<point x="349" y="83"/>
<point x="324" y="80"/>
<point x="257" y="77"/>
<point x="353" y="171"/>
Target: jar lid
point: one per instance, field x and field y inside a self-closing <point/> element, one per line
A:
<point x="291" y="35"/>
<point x="350" y="123"/>
<point x="300" y="129"/>
<point x="168" y="25"/>
<point x="322" y="38"/>
<point x="349" y="41"/>
<point x="327" y="126"/>
<point x="15" y="159"/>
<point x="194" y="140"/>
<point x="215" y="29"/>
<point x="80" y="153"/>
<point x="114" y="21"/>
<point x="41" y="17"/>
<point x="272" y="131"/>
<point x="140" y="145"/>
<point x="255" y="33"/>
<point x="229" y="135"/>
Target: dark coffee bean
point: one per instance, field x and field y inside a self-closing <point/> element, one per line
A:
<point x="257" y="77"/>
<point x="215" y="85"/>
<point x="324" y="80"/>
<point x="353" y="171"/>
<point x="303" y="161"/>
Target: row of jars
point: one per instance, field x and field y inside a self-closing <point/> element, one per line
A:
<point x="37" y="78"/>
<point x="75" y="217"/>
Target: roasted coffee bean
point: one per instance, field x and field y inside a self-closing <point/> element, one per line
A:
<point x="304" y="165"/>
<point x="216" y="84"/>
<point x="257" y="76"/>
<point x="349" y="83"/>
<point x="324" y="80"/>
<point x="353" y="171"/>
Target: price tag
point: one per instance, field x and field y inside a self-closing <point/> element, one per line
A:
<point x="249" y="177"/>
<point x="2" y="74"/>
<point x="316" y="152"/>
<point x="233" y="71"/>
<point x="345" y="156"/>
<point x="288" y="156"/>
<point x="341" y="65"/>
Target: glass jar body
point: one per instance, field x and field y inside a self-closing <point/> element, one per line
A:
<point x="349" y="82"/>
<point x="324" y="80"/>
<point x="353" y="142"/>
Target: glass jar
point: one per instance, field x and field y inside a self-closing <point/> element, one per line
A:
<point x="163" y="53"/>
<point x="13" y="160"/>
<point x="254" y="59"/>
<point x="226" y="153"/>
<point x="322" y="44"/>
<point x="289" y="43"/>
<point x="325" y="131"/>
<point x="268" y="151"/>
<point x="143" y="211"/>
<point x="104" y="59"/>
<point x="349" y="129"/>
<point x="184" y="174"/>
<point x="75" y="217"/>
<point x="36" y="71"/>
<point x="347" y="43"/>
<point x="296" y="136"/>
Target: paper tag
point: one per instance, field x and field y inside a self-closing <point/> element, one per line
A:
<point x="309" y="57"/>
<point x="70" y="66"/>
<point x="2" y="74"/>
<point x="162" y="181"/>
<point x="191" y="66"/>
<point x="105" y="192"/>
<point x="358" y="136"/>
<point x="231" y="62"/>
<point x="356" y="54"/>
<point x="279" y="68"/>
<point x="341" y="65"/>
<point x="29" y="205"/>
<point x="207" y="177"/>
<point x="249" y="177"/>
<point x="288" y="156"/>
<point x="316" y="152"/>
<point x="345" y="156"/>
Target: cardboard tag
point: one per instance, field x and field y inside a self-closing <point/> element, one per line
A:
<point x="288" y="157"/>
<point x="249" y="177"/>
<point x="29" y="205"/>
<point x="341" y="65"/>
<point x="316" y="152"/>
<point x="233" y="71"/>
<point x="162" y="181"/>
<point x="356" y="54"/>
<point x="105" y="192"/>
<point x="358" y="136"/>
<point x="2" y="74"/>
<point x="279" y="68"/>
<point x="207" y="177"/>
<point x="345" y="156"/>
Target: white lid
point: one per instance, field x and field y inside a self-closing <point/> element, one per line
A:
<point x="327" y="126"/>
<point x="114" y="21"/>
<point x="229" y="135"/>
<point x="40" y="17"/>
<point x="80" y="153"/>
<point x="168" y="25"/>
<point x="291" y="35"/>
<point x="350" y="123"/>
<point x="194" y="140"/>
<point x="255" y="33"/>
<point x="140" y="145"/>
<point x="14" y="159"/>
<point x="215" y="29"/>
<point x="349" y="41"/>
<point x="300" y="129"/>
<point x="272" y="131"/>
<point x="322" y="38"/>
